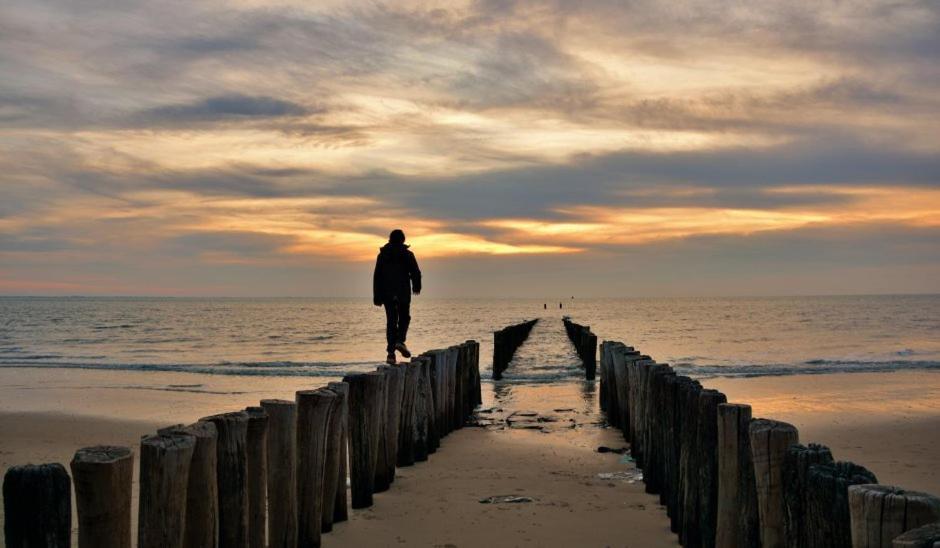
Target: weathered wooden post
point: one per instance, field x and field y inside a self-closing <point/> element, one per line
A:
<point x="665" y="410"/>
<point x="927" y="536"/>
<point x="433" y="436"/>
<point x="796" y="488"/>
<point x="232" y="477"/>
<point x="475" y="367"/>
<point x="340" y="507"/>
<point x="459" y="391"/>
<point x="603" y="384"/>
<point x="709" y="401"/>
<point x="406" y="442"/>
<point x="590" y="356"/>
<point x="382" y="481"/>
<point x="453" y="367"/>
<point x="422" y="421"/>
<point x="827" y="502"/>
<point x="257" y="462"/>
<point x="395" y="378"/>
<point x="282" y="472"/>
<point x="689" y="466"/>
<point x="770" y="441"/>
<point x="314" y="408"/>
<point x="364" y="411"/>
<point x="881" y="513"/>
<point x="103" y="476"/>
<point x="334" y="452"/>
<point x="678" y="412"/>
<point x="37" y="506"/>
<point x="622" y="359"/>
<point x="737" y="525"/>
<point x="202" y="491"/>
<point x="651" y="476"/>
<point x="164" y="475"/>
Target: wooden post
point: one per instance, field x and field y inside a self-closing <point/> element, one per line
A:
<point x="395" y="378"/>
<point x="651" y="477"/>
<point x="364" y="411"/>
<point x="421" y="424"/>
<point x="677" y="413"/>
<point x="827" y="501"/>
<point x="881" y="513"/>
<point x="433" y="437"/>
<point x="231" y="476"/>
<point x="334" y="452"/>
<point x="459" y="391"/>
<point x="737" y="525"/>
<point x="664" y="431"/>
<point x="257" y="459"/>
<point x="164" y="476"/>
<point x="406" y="443"/>
<point x="282" y="472"/>
<point x="314" y="408"/>
<point x="796" y="487"/>
<point x="590" y="358"/>
<point x="340" y="505"/>
<point x="689" y="466"/>
<point x="453" y="366"/>
<point x="709" y="401"/>
<point x="477" y="389"/>
<point x="603" y="383"/>
<point x="382" y="480"/>
<point x="770" y="441"/>
<point x="37" y="506"/>
<point x="103" y="476"/>
<point x="202" y="491"/>
<point x="927" y="536"/>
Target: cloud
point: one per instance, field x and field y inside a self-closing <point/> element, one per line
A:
<point x="223" y="108"/>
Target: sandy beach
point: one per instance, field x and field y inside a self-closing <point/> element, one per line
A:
<point x="539" y="441"/>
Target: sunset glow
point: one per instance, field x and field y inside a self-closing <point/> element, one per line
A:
<point x="194" y="147"/>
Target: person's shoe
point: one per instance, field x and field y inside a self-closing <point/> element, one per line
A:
<point x="390" y="359"/>
<point x="403" y="349"/>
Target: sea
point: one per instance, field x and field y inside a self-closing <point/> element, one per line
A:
<point x="326" y="337"/>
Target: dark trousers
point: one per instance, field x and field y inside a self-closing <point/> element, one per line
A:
<point x="397" y="319"/>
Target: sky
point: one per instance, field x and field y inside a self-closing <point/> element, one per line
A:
<point x="591" y="148"/>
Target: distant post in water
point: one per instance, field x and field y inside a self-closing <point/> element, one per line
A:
<point x="164" y="477"/>
<point x="37" y="506"/>
<point x="282" y="476"/>
<point x="102" y="476"/>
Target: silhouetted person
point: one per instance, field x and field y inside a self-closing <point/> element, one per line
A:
<point x="396" y="277"/>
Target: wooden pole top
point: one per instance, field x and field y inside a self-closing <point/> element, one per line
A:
<point x="102" y="454"/>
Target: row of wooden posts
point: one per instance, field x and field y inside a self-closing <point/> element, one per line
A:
<point x="505" y="343"/>
<point x="585" y="343"/>
<point x="732" y="481"/>
<point x="272" y="475"/>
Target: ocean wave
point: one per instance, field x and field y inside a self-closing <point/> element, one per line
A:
<point x="810" y="367"/>
<point x="261" y="369"/>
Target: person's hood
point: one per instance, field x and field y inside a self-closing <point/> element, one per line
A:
<point x="392" y="249"/>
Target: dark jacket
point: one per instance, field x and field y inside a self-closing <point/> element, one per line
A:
<point x="396" y="273"/>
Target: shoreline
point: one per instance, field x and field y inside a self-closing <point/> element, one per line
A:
<point x="885" y="422"/>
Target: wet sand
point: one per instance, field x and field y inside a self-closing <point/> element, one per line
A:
<point x="540" y="442"/>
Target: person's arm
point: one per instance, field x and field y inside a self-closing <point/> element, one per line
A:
<point x="415" y="273"/>
<point x="377" y="282"/>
